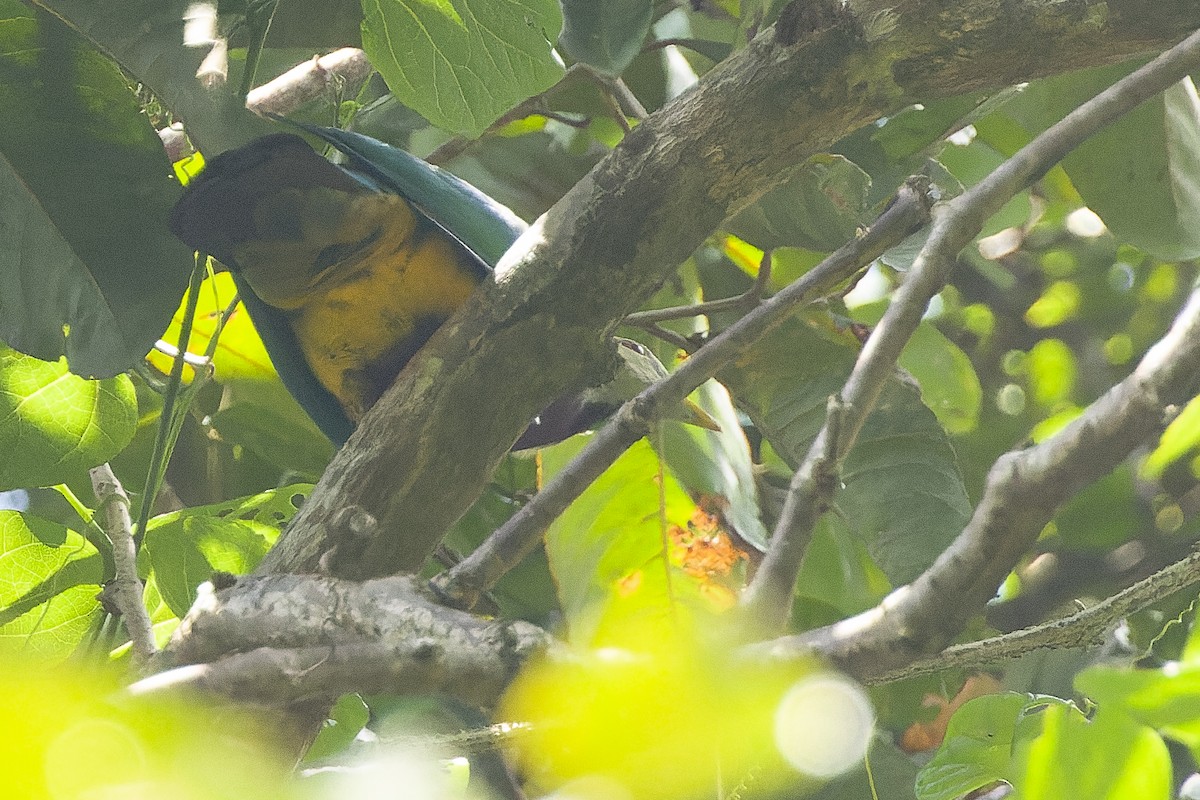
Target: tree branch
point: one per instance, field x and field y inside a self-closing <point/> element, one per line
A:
<point x="127" y="588"/>
<point x="1081" y="629"/>
<point x="955" y="226"/>
<point x="308" y="81"/>
<point x="1023" y="491"/>
<point x="422" y="648"/>
<point x="285" y="639"/>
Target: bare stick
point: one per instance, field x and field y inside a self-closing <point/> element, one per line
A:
<point x="127" y="589"/>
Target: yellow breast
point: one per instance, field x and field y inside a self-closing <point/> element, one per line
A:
<point x="364" y="281"/>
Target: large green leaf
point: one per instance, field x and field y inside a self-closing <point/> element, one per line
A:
<point x="54" y="424"/>
<point x="606" y="550"/>
<point x="463" y="63"/>
<point x="48" y="582"/>
<point x="1107" y="757"/>
<point x="1142" y="173"/>
<point x="84" y="190"/>
<point x="902" y="494"/>
<point x="977" y="748"/>
<point x="185" y="547"/>
<point x="146" y="38"/>
<point x="605" y="34"/>
<point x="1167" y="699"/>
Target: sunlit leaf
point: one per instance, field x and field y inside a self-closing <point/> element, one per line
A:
<point x="976" y="749"/>
<point x="42" y="564"/>
<point x="54" y="424"/>
<point x="239" y="354"/>
<point x="648" y="717"/>
<point x="185" y="547"/>
<point x="606" y="550"/>
<point x="65" y="737"/>
<point x="463" y="63"/>
<point x="1107" y="757"/>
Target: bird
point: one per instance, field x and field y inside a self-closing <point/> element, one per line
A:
<point x="348" y="270"/>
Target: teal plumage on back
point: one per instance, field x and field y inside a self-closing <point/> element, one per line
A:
<point x="345" y="271"/>
<point x="484" y="226"/>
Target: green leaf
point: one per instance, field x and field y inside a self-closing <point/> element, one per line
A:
<point x="185" y="547"/>
<point x="1167" y="699"/>
<point x="277" y="434"/>
<point x="605" y="34"/>
<point x="85" y="186"/>
<point x="1104" y="515"/>
<point x="971" y="163"/>
<point x="527" y="591"/>
<point x="975" y="750"/>
<point x="606" y="550"/>
<point x="144" y="37"/>
<point x="463" y="63"/>
<point x="54" y="629"/>
<point x="39" y="560"/>
<point x="717" y="464"/>
<point x="1142" y="173"/>
<point x="902" y="494"/>
<point x="837" y="579"/>
<point x="344" y="721"/>
<point x="49" y="577"/>
<point x="53" y="423"/>
<point x="820" y="209"/>
<point x="1181" y="438"/>
<point x="1107" y="757"/>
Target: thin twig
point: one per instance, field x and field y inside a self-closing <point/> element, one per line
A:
<point x="955" y="226"/>
<point x="521" y="533"/>
<point x="684" y="343"/>
<point x="1081" y="629"/>
<point x="742" y="302"/>
<point x="127" y="595"/>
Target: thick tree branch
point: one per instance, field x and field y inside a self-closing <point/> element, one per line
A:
<point x="424" y="453"/>
<point x="421" y="649"/>
<point x="955" y="226"/>
<point x="285" y="639"/>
